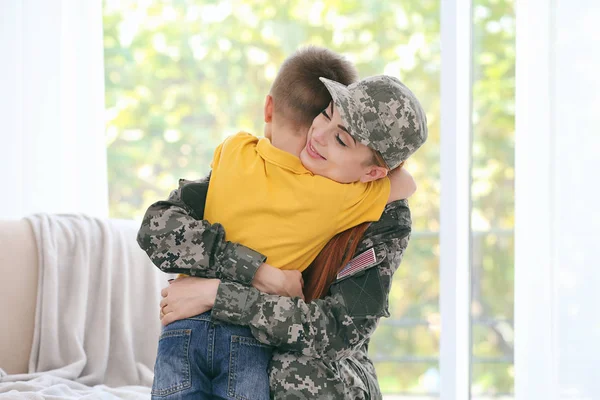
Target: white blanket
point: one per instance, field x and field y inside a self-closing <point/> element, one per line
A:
<point x="97" y="310"/>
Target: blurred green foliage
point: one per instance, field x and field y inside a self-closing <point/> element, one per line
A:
<point x="181" y="75"/>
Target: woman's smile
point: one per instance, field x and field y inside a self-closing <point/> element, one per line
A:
<point x="313" y="152"/>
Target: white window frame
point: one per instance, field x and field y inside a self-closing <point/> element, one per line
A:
<point x="455" y="202"/>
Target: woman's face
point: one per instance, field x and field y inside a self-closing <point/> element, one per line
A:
<point x="330" y="151"/>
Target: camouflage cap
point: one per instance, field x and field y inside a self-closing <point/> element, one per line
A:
<point x="383" y="114"/>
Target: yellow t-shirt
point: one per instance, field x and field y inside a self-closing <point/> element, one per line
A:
<point x="266" y="200"/>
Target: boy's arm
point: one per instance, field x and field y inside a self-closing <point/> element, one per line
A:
<point x="177" y="240"/>
<point x="402" y="185"/>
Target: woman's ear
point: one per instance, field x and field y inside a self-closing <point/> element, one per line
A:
<point x="373" y="173"/>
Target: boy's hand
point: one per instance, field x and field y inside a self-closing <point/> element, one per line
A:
<point x="271" y="280"/>
<point x="403" y="184"/>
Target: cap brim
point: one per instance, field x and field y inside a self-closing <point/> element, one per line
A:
<point x="349" y="110"/>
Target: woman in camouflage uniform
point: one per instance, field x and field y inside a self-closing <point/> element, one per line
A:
<point x="320" y="346"/>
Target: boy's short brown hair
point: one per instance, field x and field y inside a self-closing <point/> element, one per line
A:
<point x="298" y="94"/>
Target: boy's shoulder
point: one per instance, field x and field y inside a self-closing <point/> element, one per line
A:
<point x="352" y="185"/>
<point x="328" y="186"/>
<point x="240" y="141"/>
<point x="234" y="146"/>
<point x="241" y="138"/>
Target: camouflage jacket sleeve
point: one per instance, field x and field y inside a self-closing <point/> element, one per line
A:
<point x="334" y="326"/>
<point x="177" y="240"/>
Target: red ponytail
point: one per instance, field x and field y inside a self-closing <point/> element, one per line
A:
<point x="321" y="273"/>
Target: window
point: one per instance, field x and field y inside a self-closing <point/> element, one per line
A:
<point x="182" y="75"/>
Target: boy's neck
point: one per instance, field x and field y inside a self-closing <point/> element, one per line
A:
<point x="289" y="140"/>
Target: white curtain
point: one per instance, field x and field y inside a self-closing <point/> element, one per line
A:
<point x="52" y="149"/>
<point x="557" y="215"/>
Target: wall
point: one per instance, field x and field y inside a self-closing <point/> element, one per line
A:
<point x="557" y="278"/>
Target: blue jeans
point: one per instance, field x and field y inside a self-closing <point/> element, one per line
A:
<point x="203" y="359"/>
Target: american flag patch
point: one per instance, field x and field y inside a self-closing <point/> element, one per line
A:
<point x="358" y="263"/>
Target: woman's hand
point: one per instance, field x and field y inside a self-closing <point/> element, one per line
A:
<point x="186" y="297"/>
<point x="271" y="280"/>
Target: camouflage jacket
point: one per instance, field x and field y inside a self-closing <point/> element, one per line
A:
<point x="321" y="345"/>
<point x="177" y="240"/>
